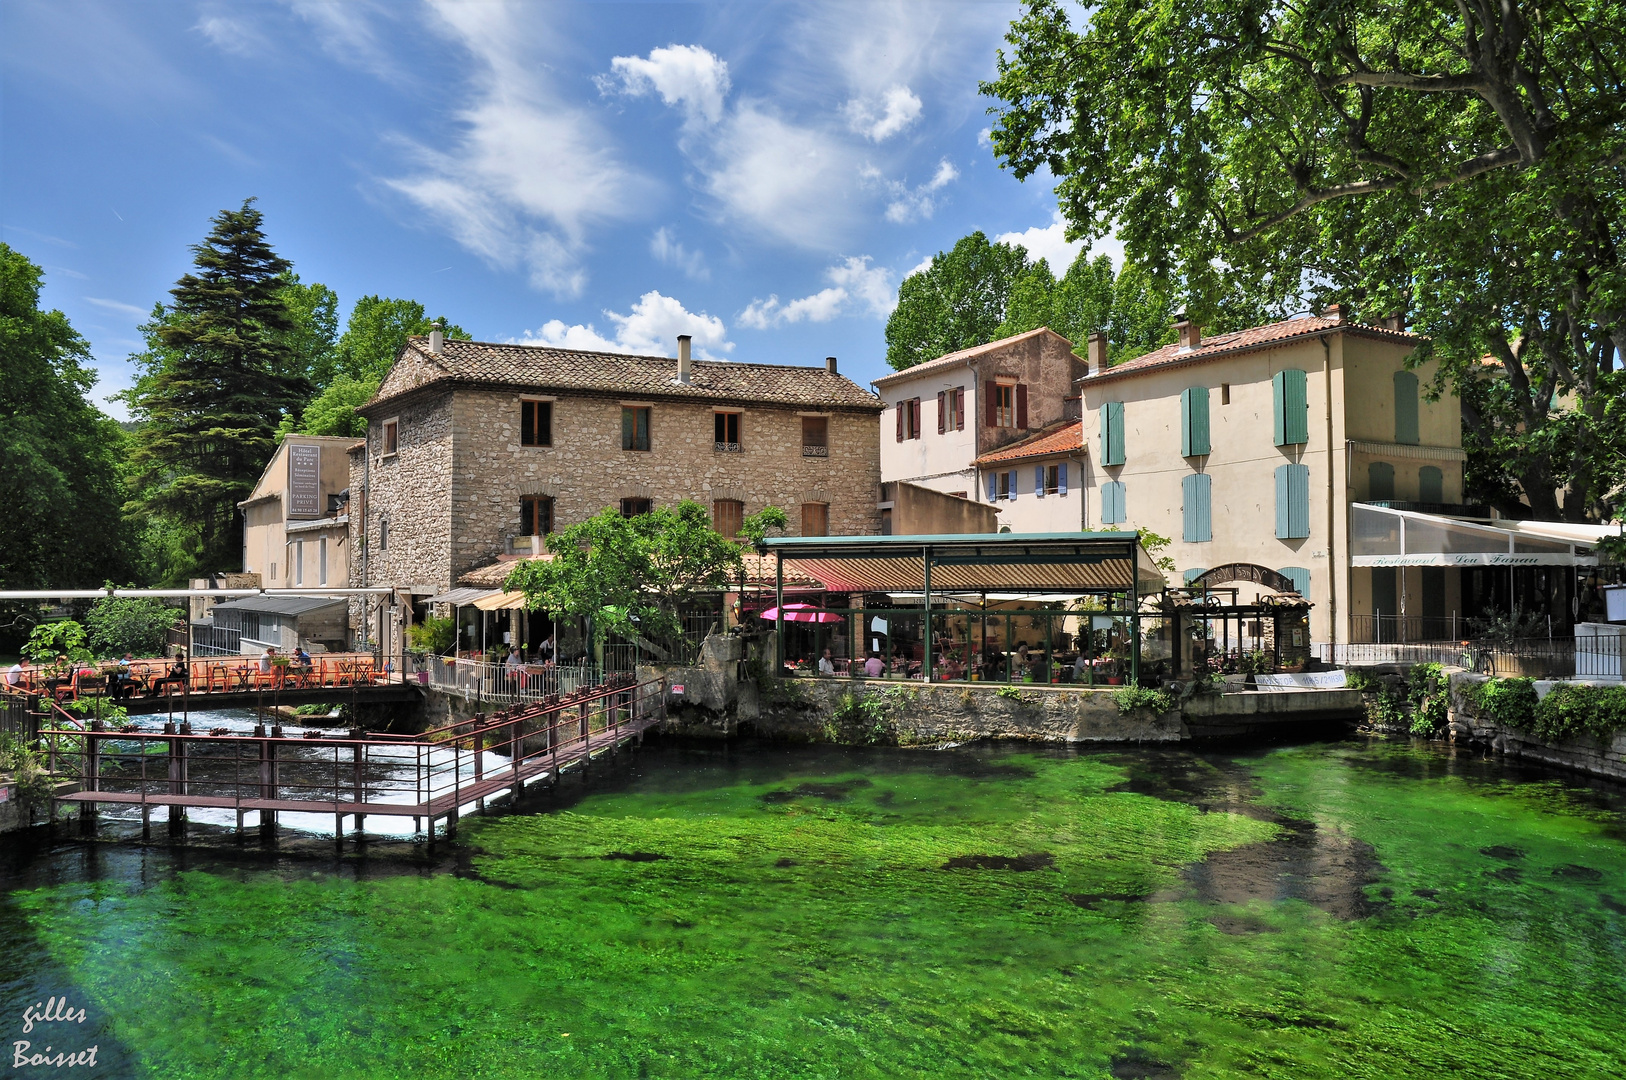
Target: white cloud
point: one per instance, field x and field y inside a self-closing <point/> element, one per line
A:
<point x="985" y="137"/>
<point x="665" y="248"/>
<point x="853" y="283"/>
<point x="651" y="329"/>
<point x="880" y="119"/>
<point x="789" y="181"/>
<point x="1051" y="244"/>
<point x="118" y="306"/>
<point x="345" y="31"/>
<point x="924" y="265"/>
<point x="230" y="32"/>
<point x="911" y="203"/>
<point x="686" y="76"/>
<point x="530" y="172"/>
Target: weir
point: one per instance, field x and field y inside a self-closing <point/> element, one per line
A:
<point x="432" y="778"/>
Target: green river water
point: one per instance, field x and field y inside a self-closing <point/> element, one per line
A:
<point x="1344" y="909"/>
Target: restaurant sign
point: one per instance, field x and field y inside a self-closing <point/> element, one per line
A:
<point x="1476" y="558"/>
<point x="304" y="481"/>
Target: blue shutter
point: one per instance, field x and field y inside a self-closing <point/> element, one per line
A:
<point x="1194" y="573"/>
<point x="993" y="487"/>
<point x="1194" y="421"/>
<point x="1292" y="502"/>
<point x="1038" y="480"/>
<point x="1112" y="433"/>
<point x="1430" y="485"/>
<point x="1061" y="479"/>
<point x="1112" y="503"/>
<point x="1197" y="517"/>
<point x="1406" y="408"/>
<point x="1300" y="577"/>
<point x="1012" y="475"/>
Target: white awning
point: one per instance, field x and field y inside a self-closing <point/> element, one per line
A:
<point x="457" y="597"/>
<point x="1381" y="536"/>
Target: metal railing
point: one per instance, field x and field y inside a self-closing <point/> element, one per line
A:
<point x="1537" y="658"/>
<point x="216" y="641"/>
<point x="1397" y="629"/>
<point x="499" y="683"/>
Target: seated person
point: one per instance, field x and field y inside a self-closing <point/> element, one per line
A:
<point x="874" y="667"/>
<point x="827" y="663"/>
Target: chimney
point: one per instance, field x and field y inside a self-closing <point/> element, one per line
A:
<point x="1191" y="335"/>
<point x="830" y="365"/>
<point x="1336" y="313"/>
<point x="437" y="337"/>
<point x="683" y="359"/>
<point x="1395" y="321"/>
<point x="1097" y="362"/>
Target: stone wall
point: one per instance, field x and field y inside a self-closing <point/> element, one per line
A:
<point x="1583" y="754"/>
<point x="412" y="490"/>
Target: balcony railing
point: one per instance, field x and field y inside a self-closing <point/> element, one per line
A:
<point x="815" y="451"/>
<point x="727" y="448"/>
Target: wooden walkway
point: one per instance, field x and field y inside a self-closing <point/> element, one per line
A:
<point x="433" y="777"/>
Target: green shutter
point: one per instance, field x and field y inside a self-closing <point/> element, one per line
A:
<point x="1291" y="407"/>
<point x="1112" y="433"/>
<point x="1292" y="502"/>
<point x="1194" y="573"/>
<point x="1112" y="503"/>
<point x="626" y="429"/>
<point x="1194" y="421"/>
<point x="1430" y="485"/>
<point x="1196" y="515"/>
<point x="1300" y="577"/>
<point x="1406" y="408"/>
<point x="1380" y="481"/>
<point x="1278" y="412"/>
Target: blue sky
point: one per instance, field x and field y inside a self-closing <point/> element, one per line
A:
<point x="598" y="175"/>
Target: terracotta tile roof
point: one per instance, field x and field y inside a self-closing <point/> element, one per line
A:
<point x="759" y="571"/>
<point x="492" y="575"/>
<point x="955" y="358"/>
<point x="538" y="367"/>
<point x="1258" y="337"/>
<point x="1066" y="437"/>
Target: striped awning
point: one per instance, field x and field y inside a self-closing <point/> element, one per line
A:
<point x="502" y="601"/>
<point x="976" y="563"/>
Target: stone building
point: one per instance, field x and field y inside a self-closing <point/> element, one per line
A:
<point x="476" y="450"/>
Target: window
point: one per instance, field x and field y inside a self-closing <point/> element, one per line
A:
<point x="815" y="519"/>
<point x="1194" y="421"/>
<point x="951" y="410"/>
<point x="635" y="427"/>
<point x="1292" y="502"/>
<point x="1385" y="596"/>
<point x="727" y="515"/>
<point x="634" y="507"/>
<point x="1112" y="503"/>
<point x="1406" y="408"/>
<point x="1112" y="433"/>
<point x="908" y="419"/>
<point x="273" y="571"/>
<point x="1380" y="481"/>
<point x="1300" y="578"/>
<point x="1291" y="407"/>
<point x="1050" y="480"/>
<point x="392" y="436"/>
<point x="1007" y="404"/>
<point x="1193" y="574"/>
<point x="321" y="562"/>
<point x="1225" y="393"/>
<point x="1430" y="485"/>
<point x="1002" y="485"/>
<point x="299" y="562"/>
<point x="536" y="515"/>
<point x="383" y="537"/>
<point x="726" y="432"/>
<point x="536" y="423"/>
<point x="815" y="436"/>
<point x="1197" y="509"/>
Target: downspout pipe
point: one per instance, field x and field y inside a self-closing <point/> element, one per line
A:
<point x="1332" y="518"/>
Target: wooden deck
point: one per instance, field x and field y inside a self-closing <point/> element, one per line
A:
<point x="432" y="777"/>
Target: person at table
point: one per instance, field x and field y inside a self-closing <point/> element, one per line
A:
<point x="301" y="657"/>
<point x="827" y="663"/>
<point x="265" y="660"/>
<point x="14" y="674"/>
<point x="180" y="672"/>
<point x="874" y="667"/>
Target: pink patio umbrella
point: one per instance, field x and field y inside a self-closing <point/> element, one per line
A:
<point x="803" y="613"/>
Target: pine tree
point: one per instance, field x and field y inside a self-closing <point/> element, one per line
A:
<point x="210" y="405"/>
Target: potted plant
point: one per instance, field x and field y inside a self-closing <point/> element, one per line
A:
<point x="1253" y="664"/>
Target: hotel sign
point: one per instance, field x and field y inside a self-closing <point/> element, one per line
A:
<point x="304" y="480"/>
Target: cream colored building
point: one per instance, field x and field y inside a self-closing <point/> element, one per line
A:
<point x="944" y="415"/>
<point x="1250" y="447"/>
<point x="296" y="521"/>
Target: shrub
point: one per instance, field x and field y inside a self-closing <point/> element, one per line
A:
<point x="432" y="635"/>
<point x="54" y="639"/>
<point x="1570" y="710"/>
<point x="1131" y="698"/>
<point x="1429" y="690"/>
<point x="27" y="769"/>
<point x="1507" y="701"/>
<point x="1356" y="679"/>
<point x="130" y="624"/>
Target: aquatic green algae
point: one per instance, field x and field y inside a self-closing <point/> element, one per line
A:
<point x="838" y="914"/>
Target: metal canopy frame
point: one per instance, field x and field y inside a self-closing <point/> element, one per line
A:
<point x="1101" y="563"/>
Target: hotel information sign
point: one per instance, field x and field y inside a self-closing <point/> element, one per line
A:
<point x="304" y="481"/>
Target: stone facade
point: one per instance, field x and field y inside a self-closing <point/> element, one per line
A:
<point x="451" y="492"/>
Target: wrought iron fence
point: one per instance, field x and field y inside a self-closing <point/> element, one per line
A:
<point x="500" y="683"/>
<point x="1397" y="629"/>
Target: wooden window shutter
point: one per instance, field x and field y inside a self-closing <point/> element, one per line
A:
<point x="1406" y="408"/>
<point x="959" y="408"/>
<point x="1196" y="512"/>
<point x="1038" y="480"/>
<point x="1430" y="485"/>
<point x="1300" y="578"/>
<point x="1061" y="479"/>
<point x="1194" y="421"/>
<point x="626" y="429"/>
<point x="991" y="399"/>
<point x="914" y="418"/>
<point x="1380" y="481"/>
<point x="993" y="487"/>
<point x="1292" y="502"/>
<point x="901" y="406"/>
<point x="1021" y="406"/>
<point x="942" y="418"/>
<point x="1291" y="407"/>
<point x="1112" y="433"/>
